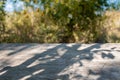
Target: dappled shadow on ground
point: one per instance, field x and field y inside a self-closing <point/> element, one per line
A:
<point x="110" y="71"/>
<point x="61" y="62"/>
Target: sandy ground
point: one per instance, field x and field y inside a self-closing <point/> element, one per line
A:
<point x="60" y="61"/>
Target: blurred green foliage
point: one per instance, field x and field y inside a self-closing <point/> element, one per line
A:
<point x="59" y="21"/>
<point x="2" y="19"/>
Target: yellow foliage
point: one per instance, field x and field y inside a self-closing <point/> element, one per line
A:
<point x="112" y="26"/>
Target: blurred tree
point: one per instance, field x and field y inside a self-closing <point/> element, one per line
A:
<point x="2" y="17"/>
<point x="73" y="17"/>
<point x="2" y="13"/>
<point x="69" y="13"/>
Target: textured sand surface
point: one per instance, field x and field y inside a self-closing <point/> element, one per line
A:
<point x="60" y="61"/>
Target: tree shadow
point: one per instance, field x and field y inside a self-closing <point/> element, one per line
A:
<point x="17" y="48"/>
<point x="108" y="72"/>
<point x="49" y="64"/>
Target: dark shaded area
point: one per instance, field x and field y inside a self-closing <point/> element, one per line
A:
<point x="15" y="45"/>
<point x="51" y="71"/>
<point x="110" y="72"/>
<point x="107" y="55"/>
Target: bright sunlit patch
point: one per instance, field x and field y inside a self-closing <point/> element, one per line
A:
<point x="38" y="71"/>
<point x="84" y="46"/>
<point x="37" y="62"/>
<point x="70" y="45"/>
<point x="26" y="77"/>
<point x="1" y="73"/>
<point x="61" y="51"/>
<point x="95" y="77"/>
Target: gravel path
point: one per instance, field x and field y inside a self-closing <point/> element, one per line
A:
<point x="60" y="61"/>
